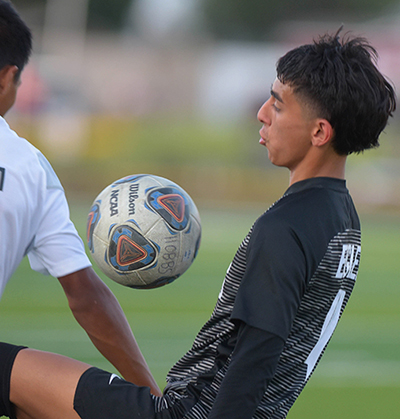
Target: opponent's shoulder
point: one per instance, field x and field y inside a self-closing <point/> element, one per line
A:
<point x="23" y="160"/>
<point x="15" y="149"/>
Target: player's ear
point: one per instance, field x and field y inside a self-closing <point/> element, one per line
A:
<point x="322" y="133"/>
<point x="7" y="77"/>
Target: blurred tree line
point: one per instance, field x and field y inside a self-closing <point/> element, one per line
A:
<point x="249" y="19"/>
<point x="255" y="19"/>
<point x="241" y="19"/>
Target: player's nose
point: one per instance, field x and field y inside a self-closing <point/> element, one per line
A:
<point x="263" y="114"/>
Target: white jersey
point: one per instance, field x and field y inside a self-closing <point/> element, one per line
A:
<point x="34" y="214"/>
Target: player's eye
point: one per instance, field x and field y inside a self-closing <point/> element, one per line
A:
<point x="274" y="105"/>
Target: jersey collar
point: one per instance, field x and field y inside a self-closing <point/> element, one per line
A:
<point x="318" y="182"/>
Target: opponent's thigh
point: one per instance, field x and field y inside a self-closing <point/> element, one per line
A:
<point x="43" y="384"/>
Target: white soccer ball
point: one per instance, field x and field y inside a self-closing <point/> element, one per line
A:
<point x="143" y="231"/>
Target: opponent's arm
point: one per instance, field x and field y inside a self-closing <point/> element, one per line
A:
<point x="252" y="367"/>
<point x="97" y="310"/>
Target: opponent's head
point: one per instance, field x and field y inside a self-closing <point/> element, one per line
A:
<point x="15" y="49"/>
<point x="15" y="38"/>
<point x="339" y="80"/>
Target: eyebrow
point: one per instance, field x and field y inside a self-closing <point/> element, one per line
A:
<point x="276" y="95"/>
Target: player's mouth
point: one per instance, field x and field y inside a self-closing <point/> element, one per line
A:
<point x="262" y="140"/>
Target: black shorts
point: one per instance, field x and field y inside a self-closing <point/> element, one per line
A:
<point x="102" y="395"/>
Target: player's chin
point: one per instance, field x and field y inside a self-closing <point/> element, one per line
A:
<point x="274" y="159"/>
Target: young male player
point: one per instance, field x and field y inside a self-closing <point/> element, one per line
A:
<point x="34" y="218"/>
<point x="289" y="280"/>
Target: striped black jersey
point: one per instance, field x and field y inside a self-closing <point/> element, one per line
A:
<point x="291" y="277"/>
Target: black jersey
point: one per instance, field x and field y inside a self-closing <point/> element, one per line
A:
<point x="291" y="277"/>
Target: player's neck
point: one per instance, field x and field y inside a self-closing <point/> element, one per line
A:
<point x="333" y="167"/>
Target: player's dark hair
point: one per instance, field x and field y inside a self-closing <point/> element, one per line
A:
<point x="15" y="38"/>
<point x="340" y="81"/>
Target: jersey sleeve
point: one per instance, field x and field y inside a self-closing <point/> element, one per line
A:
<point x="274" y="280"/>
<point x="57" y="248"/>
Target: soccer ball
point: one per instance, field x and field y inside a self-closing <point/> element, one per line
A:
<point x="143" y="231"/>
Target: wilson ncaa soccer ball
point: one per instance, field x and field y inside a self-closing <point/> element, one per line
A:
<point x="143" y="231"/>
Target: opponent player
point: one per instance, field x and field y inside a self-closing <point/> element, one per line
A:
<point x="289" y="280"/>
<point x="34" y="219"/>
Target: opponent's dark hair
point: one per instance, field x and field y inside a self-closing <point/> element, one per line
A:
<point x="15" y="38"/>
<point x="340" y="81"/>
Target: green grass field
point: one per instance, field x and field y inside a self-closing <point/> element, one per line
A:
<point x="359" y="376"/>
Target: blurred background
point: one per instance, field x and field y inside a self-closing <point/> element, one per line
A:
<point x="172" y="88"/>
